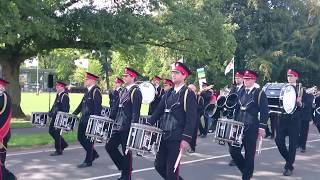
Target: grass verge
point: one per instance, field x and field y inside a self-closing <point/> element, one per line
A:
<point x="32" y="140"/>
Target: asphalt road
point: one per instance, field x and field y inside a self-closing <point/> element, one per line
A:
<point x="210" y="162"/>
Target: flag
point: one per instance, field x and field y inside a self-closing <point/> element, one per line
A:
<point x="82" y="63"/>
<point x="32" y="62"/>
<point x="229" y="67"/>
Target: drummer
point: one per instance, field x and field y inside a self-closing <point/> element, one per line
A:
<point x="114" y="95"/>
<point x="252" y="102"/>
<point x="178" y="121"/>
<point x="61" y="103"/>
<point x="289" y="126"/>
<point x="127" y="112"/>
<point x="159" y="92"/>
<point x="90" y="105"/>
<point x="238" y="88"/>
<point x="167" y="85"/>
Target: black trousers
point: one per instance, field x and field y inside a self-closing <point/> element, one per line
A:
<point x="195" y="135"/>
<point x="85" y="142"/>
<point x="246" y="163"/>
<point x="204" y="129"/>
<point x="303" y="134"/>
<point x="121" y="160"/>
<point x="5" y="173"/>
<point x="274" y="118"/>
<point x="59" y="142"/>
<point x="166" y="159"/>
<point x="288" y="127"/>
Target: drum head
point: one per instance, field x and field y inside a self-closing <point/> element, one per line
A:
<point x="148" y="92"/>
<point x="289" y="99"/>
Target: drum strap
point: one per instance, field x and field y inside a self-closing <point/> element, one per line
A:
<point x="132" y="94"/>
<point x="185" y="100"/>
<point x="64" y="94"/>
<point x="4" y="103"/>
<point x="95" y="90"/>
<point x="259" y="97"/>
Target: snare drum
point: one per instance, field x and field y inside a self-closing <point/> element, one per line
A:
<point x="230" y="131"/>
<point x="144" y="119"/>
<point x="144" y="139"/>
<point x="65" y="121"/>
<point x="105" y="111"/>
<point x="99" y="128"/>
<point x="281" y="97"/>
<point x="39" y="119"/>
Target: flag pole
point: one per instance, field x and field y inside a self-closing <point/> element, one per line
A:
<point x="233" y="70"/>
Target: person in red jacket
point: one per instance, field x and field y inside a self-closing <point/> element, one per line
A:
<point x="5" y="118"/>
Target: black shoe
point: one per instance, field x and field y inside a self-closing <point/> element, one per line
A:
<point x="232" y="163"/>
<point x="287" y="172"/>
<point x="84" y="165"/>
<point x="56" y="153"/>
<point x="303" y="150"/>
<point x="124" y="177"/>
<point x="95" y="157"/>
<point x="203" y="136"/>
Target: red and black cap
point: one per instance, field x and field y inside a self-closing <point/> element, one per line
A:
<point x="91" y="76"/>
<point x="4" y="82"/>
<point x="59" y="83"/>
<point x="157" y="78"/>
<point x="131" y="72"/>
<point x="179" y="66"/>
<point x="239" y="74"/>
<point x="119" y="80"/>
<point x="293" y="72"/>
<point x="205" y="84"/>
<point x="168" y="82"/>
<point x="249" y="74"/>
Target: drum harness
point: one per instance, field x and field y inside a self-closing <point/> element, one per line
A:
<point x="244" y="115"/>
<point x="168" y="121"/>
<point x="121" y="117"/>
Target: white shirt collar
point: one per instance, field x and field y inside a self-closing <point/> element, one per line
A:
<point x="239" y="86"/>
<point x="90" y="87"/>
<point x="128" y="87"/>
<point x="250" y="89"/>
<point x="177" y="89"/>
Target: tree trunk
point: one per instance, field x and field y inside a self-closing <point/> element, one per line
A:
<point x="11" y="72"/>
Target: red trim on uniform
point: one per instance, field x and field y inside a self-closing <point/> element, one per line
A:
<point x="168" y="82"/>
<point x="182" y="70"/>
<point x="5" y="128"/>
<point x="249" y="75"/>
<point x="293" y="72"/>
<point x="238" y="74"/>
<point x="91" y="76"/>
<point x="131" y="73"/>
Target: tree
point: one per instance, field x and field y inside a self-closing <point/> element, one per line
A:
<point x="187" y="28"/>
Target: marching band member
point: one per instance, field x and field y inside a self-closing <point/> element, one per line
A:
<point x="289" y="126"/>
<point x="127" y="112"/>
<point x="200" y="111"/>
<point x="159" y="92"/>
<point x="206" y="94"/>
<point x="179" y="117"/>
<point x="114" y="95"/>
<point x="90" y="105"/>
<point x="252" y="102"/>
<point x="5" y="134"/>
<point x="167" y="85"/>
<point x="236" y="89"/>
<point x="61" y="103"/>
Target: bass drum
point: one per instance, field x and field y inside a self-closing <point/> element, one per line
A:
<point x="282" y="97"/>
<point x="148" y="92"/>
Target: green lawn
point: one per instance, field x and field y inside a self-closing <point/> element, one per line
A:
<point x="31" y="102"/>
<point x="23" y="141"/>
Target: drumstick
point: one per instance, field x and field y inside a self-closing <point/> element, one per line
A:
<point x="260" y="145"/>
<point x="177" y="161"/>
